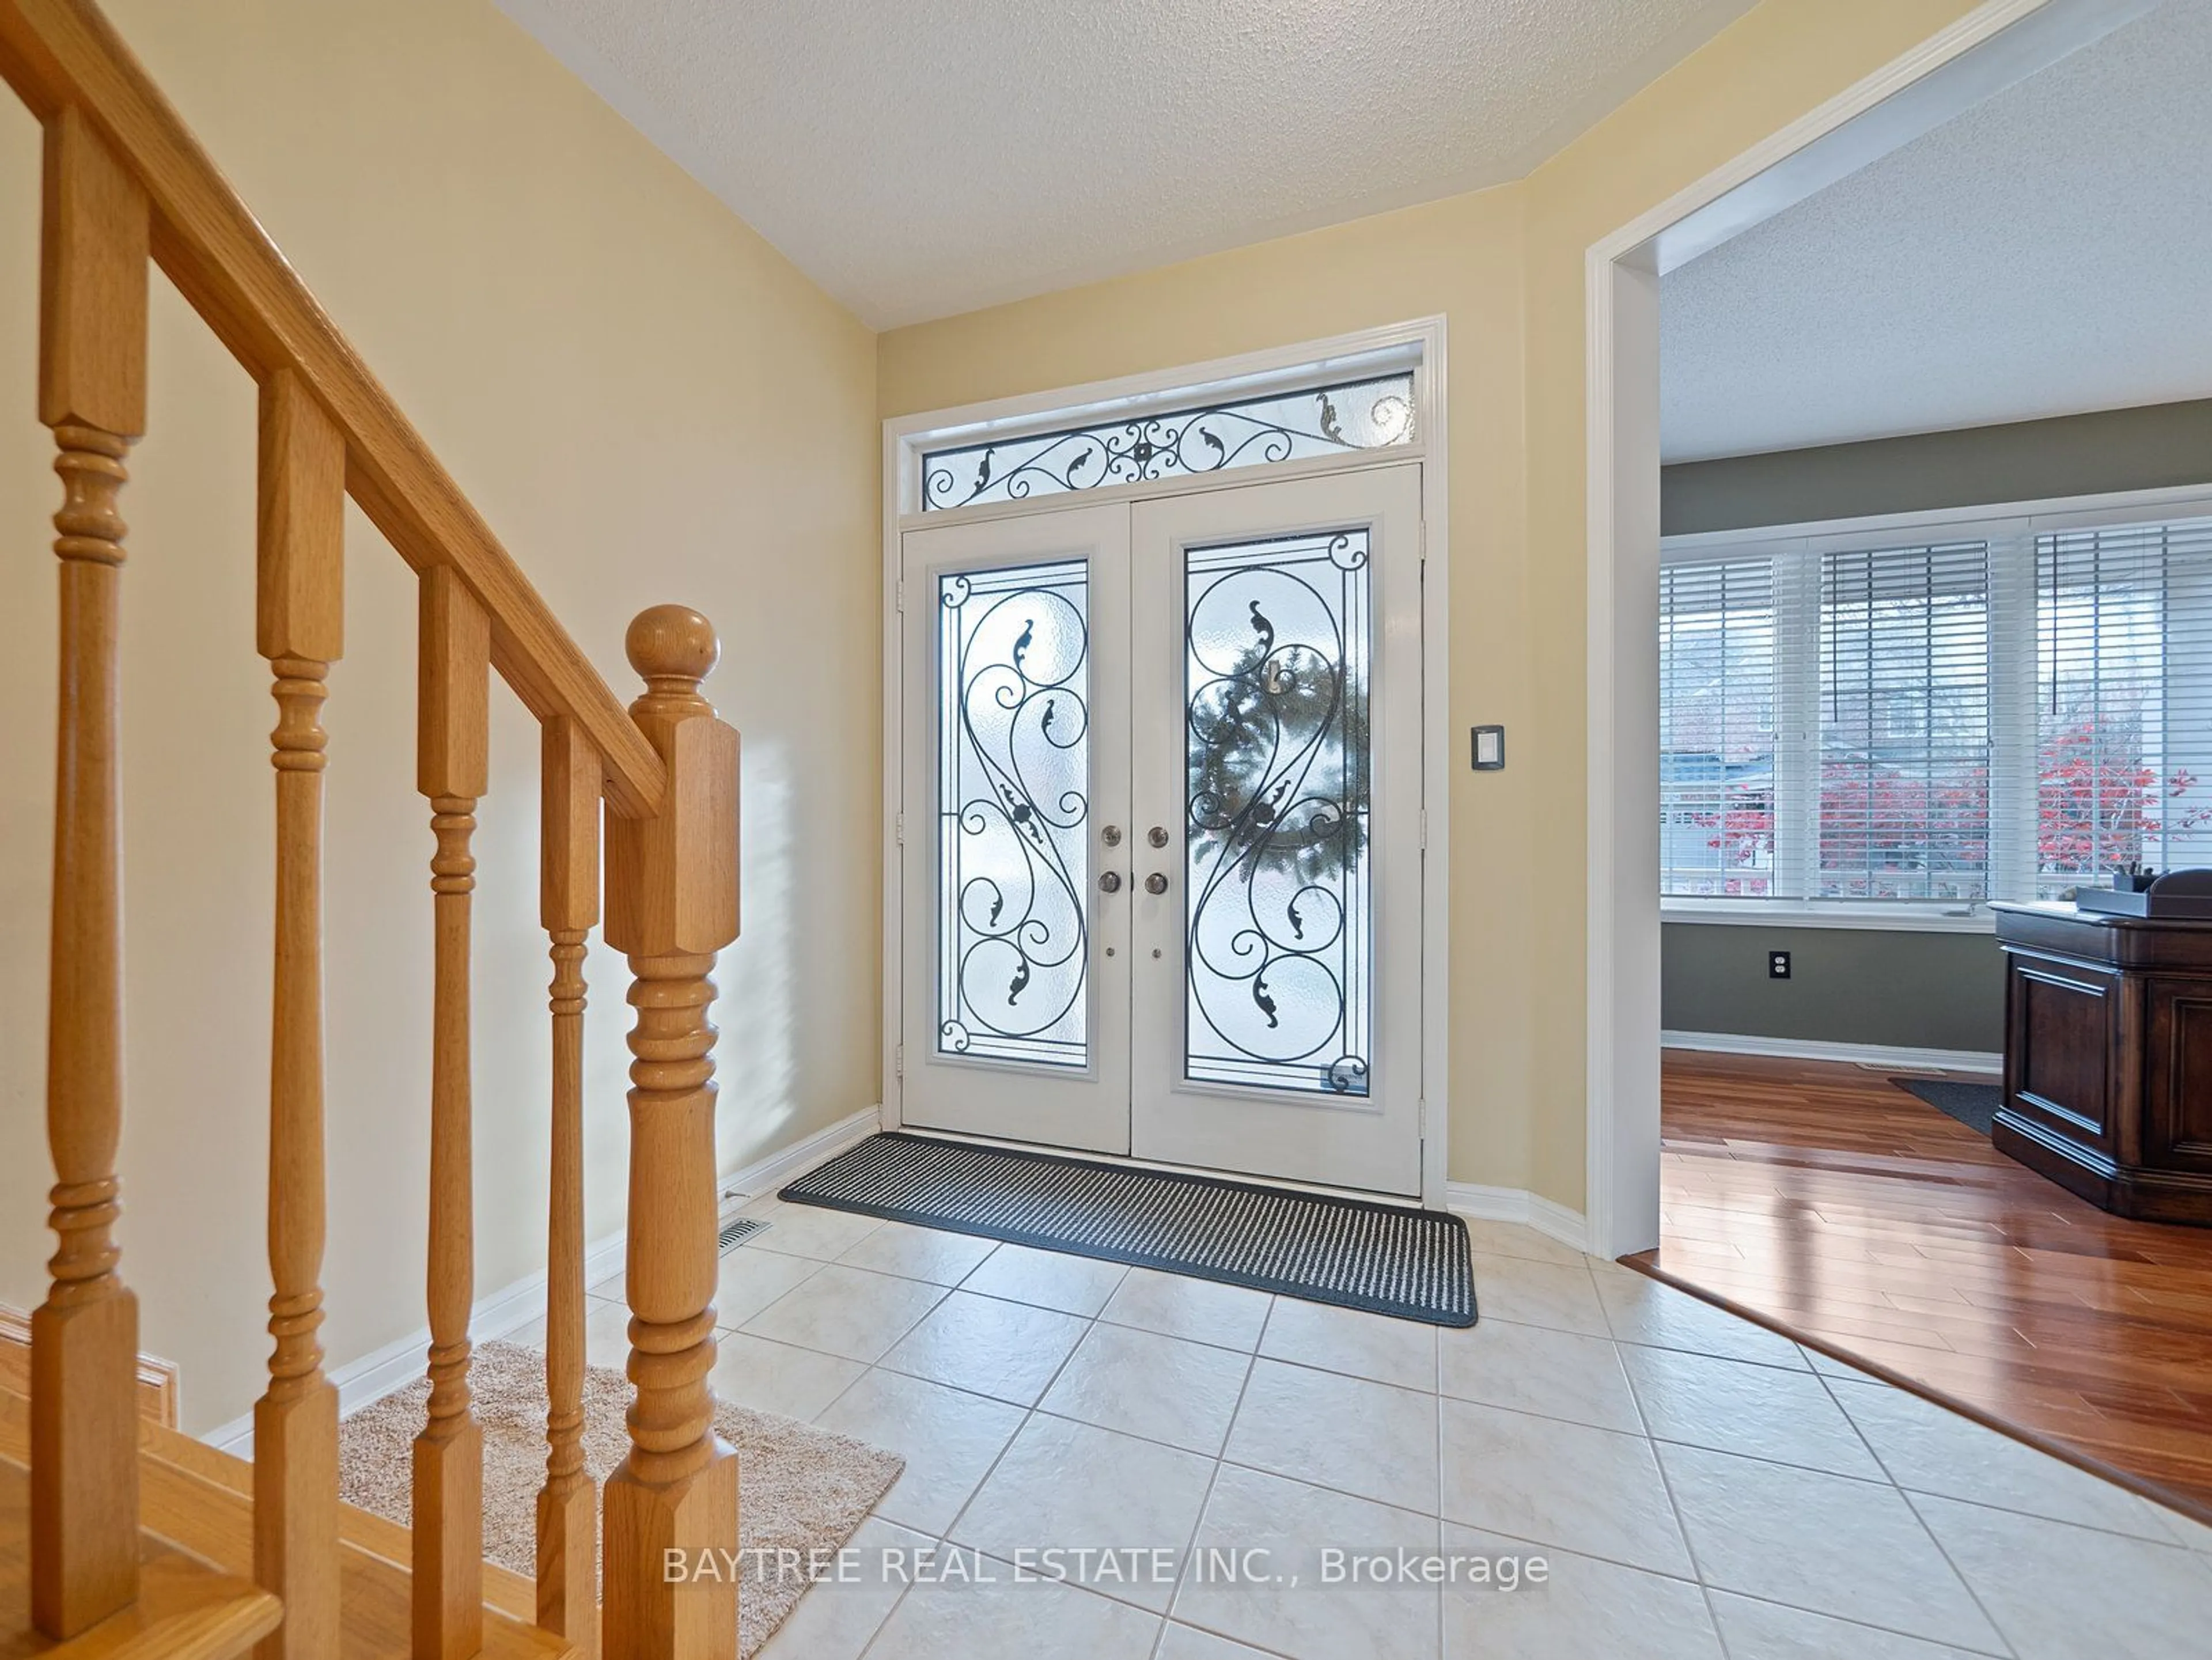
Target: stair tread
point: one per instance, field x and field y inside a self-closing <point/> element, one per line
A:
<point x="187" y="1608"/>
<point x="197" y="1502"/>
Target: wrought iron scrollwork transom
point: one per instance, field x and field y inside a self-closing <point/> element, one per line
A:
<point x="1353" y="414"/>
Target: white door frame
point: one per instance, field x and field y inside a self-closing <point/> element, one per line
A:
<point x="1937" y="79"/>
<point x="1418" y="344"/>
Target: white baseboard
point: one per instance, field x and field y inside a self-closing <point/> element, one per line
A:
<point x="765" y="1175"/>
<point x="1570" y="1227"/>
<point x="1805" y="1049"/>
<point x="400" y="1362"/>
<point x="1530" y="1210"/>
<point x="512" y="1307"/>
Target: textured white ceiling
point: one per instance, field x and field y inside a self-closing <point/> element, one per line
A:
<point x="923" y="157"/>
<point x="2049" y="251"/>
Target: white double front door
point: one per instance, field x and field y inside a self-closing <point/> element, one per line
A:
<point x="1161" y="839"/>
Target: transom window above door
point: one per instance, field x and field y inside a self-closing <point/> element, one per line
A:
<point x="1374" y="413"/>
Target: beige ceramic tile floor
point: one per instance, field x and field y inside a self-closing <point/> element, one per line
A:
<point x="1697" y="1487"/>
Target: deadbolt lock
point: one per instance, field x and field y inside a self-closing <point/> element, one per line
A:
<point x="1157" y="836"/>
<point x="1111" y="835"/>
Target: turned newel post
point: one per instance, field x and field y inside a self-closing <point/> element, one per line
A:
<point x="672" y="903"/>
<point x="84" y="1337"/>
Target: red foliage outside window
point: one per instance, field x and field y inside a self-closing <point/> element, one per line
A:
<point x="2098" y="810"/>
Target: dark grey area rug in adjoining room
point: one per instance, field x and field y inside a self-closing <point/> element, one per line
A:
<point x="1357" y="1254"/>
<point x="1974" y="1105"/>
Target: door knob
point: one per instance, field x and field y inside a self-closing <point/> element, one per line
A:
<point x="1155" y="883"/>
<point x="1111" y="835"/>
<point x="1111" y="883"/>
<point x="1157" y="836"/>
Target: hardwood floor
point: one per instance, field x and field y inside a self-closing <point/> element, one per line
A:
<point x="1825" y="1199"/>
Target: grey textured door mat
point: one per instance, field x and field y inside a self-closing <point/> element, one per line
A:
<point x="1397" y="1260"/>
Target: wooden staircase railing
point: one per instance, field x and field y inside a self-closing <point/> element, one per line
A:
<point x="125" y="184"/>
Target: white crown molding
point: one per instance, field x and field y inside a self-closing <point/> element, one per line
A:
<point x="1806" y="1048"/>
<point x="512" y="1307"/>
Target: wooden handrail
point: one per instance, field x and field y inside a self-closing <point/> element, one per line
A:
<point x="63" y="54"/>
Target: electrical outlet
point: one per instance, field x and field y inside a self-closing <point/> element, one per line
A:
<point x="1778" y="965"/>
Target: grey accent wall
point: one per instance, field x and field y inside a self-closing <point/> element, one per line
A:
<point x="2157" y="446"/>
<point x="1935" y="991"/>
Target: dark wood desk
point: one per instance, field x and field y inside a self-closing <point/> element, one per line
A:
<point x="2108" y="1057"/>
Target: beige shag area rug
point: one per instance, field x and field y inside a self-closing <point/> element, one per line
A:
<point x="799" y="1487"/>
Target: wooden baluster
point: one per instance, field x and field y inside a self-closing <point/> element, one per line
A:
<point x="301" y="633"/>
<point x="452" y="704"/>
<point x="568" y="1519"/>
<point x="84" y="1338"/>
<point x="671" y="905"/>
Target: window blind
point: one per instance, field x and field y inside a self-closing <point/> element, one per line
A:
<point x="2123" y="703"/>
<point x="2013" y="711"/>
<point x="1717" y="662"/>
<point x="1905" y="737"/>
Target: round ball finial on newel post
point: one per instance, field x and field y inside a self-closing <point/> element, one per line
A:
<point x="674" y="649"/>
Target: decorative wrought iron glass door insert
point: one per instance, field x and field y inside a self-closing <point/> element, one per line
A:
<point x="1275" y="806"/>
<point x="1013" y="809"/>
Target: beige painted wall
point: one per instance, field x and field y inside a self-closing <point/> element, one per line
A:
<point x="1506" y="268"/>
<point x="648" y="404"/>
<point x="1462" y="257"/>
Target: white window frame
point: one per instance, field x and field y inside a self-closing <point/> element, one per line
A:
<point x="2010" y="530"/>
<point x="1418" y="345"/>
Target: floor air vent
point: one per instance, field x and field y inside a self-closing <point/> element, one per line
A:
<point x="738" y="1229"/>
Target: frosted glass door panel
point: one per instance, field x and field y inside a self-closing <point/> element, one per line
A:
<point x="1275" y="801"/>
<point x="1013" y="813"/>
